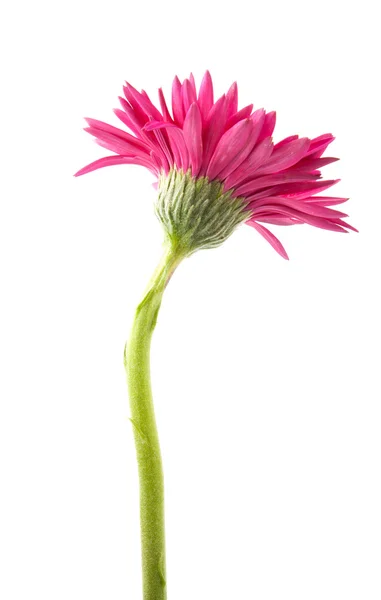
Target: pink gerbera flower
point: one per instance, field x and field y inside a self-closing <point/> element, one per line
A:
<point x="215" y="167"/>
<point x="211" y="142"/>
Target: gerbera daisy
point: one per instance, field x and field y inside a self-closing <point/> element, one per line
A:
<point x="215" y="167"/>
<point x="226" y="152"/>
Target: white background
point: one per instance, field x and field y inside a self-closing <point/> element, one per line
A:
<point x="265" y="372"/>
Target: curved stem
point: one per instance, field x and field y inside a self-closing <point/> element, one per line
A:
<point x="137" y="365"/>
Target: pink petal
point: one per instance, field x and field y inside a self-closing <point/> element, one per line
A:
<point x="150" y="139"/>
<point x="142" y="100"/>
<point x="346" y="225"/>
<point x="158" y="125"/>
<point x="175" y="150"/>
<point x="309" y="164"/>
<point x="168" y="163"/>
<point x="319" y="145"/>
<point x="273" y="219"/>
<point x="233" y="147"/>
<point x="304" y="190"/>
<point x="193" y="137"/>
<point x="244" y="113"/>
<point x="232" y="100"/>
<point x="101" y="126"/>
<point x="320" y="222"/>
<point x="188" y="94"/>
<point x="149" y="106"/>
<point x="156" y="161"/>
<point x="139" y="113"/>
<point x="314" y="208"/>
<point x="177" y="102"/>
<point x="205" y="95"/>
<point x="179" y="147"/>
<point x="326" y="200"/>
<point x="258" y="119"/>
<point x="269" y="237"/>
<point x="113" y="160"/>
<point x="164" y="107"/>
<point x="324" y="138"/>
<point x="318" y="153"/>
<point x="278" y="179"/>
<point x="302" y="185"/>
<point x="284" y="157"/>
<point x="290" y="138"/>
<point x="268" y="126"/>
<point x="258" y="156"/>
<point x="193" y="84"/>
<point x="130" y="118"/>
<point x="126" y="120"/>
<point x="214" y="128"/>
<point x="106" y="141"/>
<point x="116" y="144"/>
<point x="309" y="208"/>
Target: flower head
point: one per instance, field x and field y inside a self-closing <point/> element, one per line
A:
<point x="217" y="166"/>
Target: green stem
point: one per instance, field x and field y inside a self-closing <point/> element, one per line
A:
<point x="137" y="365"/>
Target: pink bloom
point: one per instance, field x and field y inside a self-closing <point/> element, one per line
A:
<point x="216" y="140"/>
